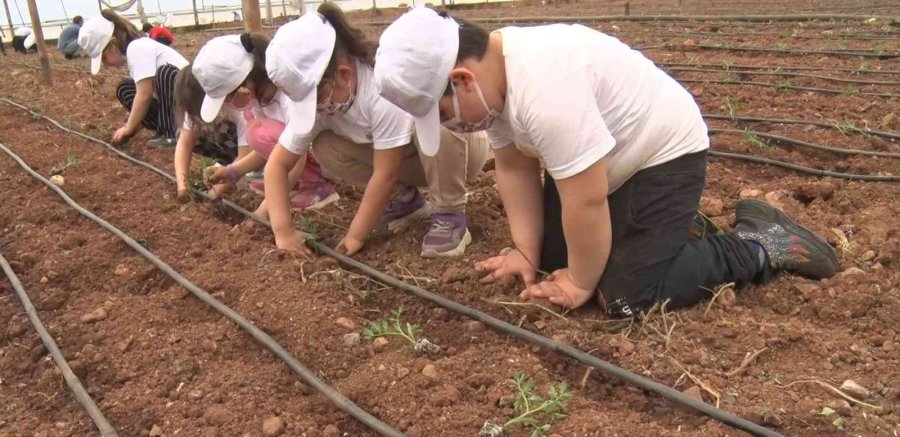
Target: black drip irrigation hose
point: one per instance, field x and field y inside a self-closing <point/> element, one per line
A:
<point x="886" y="55"/>
<point x="721" y="69"/>
<point x="813" y="146"/>
<point x="663" y="18"/>
<point x="261" y="337"/>
<point x="859" y="130"/>
<point x="81" y="395"/>
<point x="580" y="356"/>
<point x="731" y="68"/>
<point x="778" y="86"/>
<point x="802" y="169"/>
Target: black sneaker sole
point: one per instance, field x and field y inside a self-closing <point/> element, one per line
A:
<point x="762" y="211"/>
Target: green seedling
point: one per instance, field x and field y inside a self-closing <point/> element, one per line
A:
<point x="754" y="140"/>
<point x="733" y="107"/>
<point x="733" y="78"/>
<point x="196" y="181"/>
<point x="780" y="86"/>
<point x="837" y="420"/>
<point x="309" y="226"/>
<point x="848" y="127"/>
<point x="71" y="162"/>
<point x="36" y="113"/>
<point x="532" y="410"/>
<point x="782" y="47"/>
<point x="850" y="91"/>
<point x="393" y="326"/>
<point x="726" y="65"/>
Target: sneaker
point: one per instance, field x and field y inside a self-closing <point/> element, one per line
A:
<point x="448" y="236"/>
<point x="788" y="245"/>
<point x="314" y="196"/>
<point x="406" y="209"/>
<point x="161" y="142"/>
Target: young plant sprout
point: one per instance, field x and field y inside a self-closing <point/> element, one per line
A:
<point x="532" y="410"/>
<point x="198" y="181"/>
<point x="71" y="161"/>
<point x="394" y="327"/>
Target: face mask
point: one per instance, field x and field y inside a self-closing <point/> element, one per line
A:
<point x="457" y="125"/>
<point x="330" y="107"/>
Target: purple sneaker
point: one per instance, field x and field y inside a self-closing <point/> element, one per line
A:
<point x="448" y="236"/>
<point x="404" y="210"/>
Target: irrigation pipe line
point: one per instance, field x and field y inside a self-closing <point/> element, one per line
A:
<point x="784" y="73"/>
<point x="861" y="130"/>
<point x="81" y="395"/>
<point x="772" y="68"/>
<point x="580" y="356"/>
<point x="852" y="92"/>
<point x="886" y="55"/>
<point x="261" y="337"/>
<point x="838" y="37"/>
<point x="802" y="169"/>
<point x="663" y="18"/>
<point x="779" y="138"/>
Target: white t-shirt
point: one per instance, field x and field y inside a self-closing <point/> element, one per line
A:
<point x="371" y="119"/>
<point x="575" y="96"/>
<point x="231" y="114"/>
<point x="145" y="55"/>
<point x="26" y="32"/>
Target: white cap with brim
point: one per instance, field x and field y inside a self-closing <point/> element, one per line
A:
<point x="412" y="67"/>
<point x="93" y="38"/>
<point x="296" y="59"/>
<point x="220" y="67"/>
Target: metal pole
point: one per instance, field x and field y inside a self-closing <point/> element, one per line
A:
<point x="8" y="17"/>
<point x="22" y="20"/>
<point x="39" y="40"/>
<point x="252" y="20"/>
<point x="66" y="13"/>
<point x="196" y="19"/>
<point x="269" y="11"/>
<point x="283" y="10"/>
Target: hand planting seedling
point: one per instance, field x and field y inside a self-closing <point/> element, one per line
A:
<point x="532" y="410"/>
<point x="394" y="327"/>
<point x="197" y="181"/>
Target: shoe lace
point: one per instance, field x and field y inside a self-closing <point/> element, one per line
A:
<point x="442" y="227"/>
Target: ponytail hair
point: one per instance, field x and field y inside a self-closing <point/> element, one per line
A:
<point x="123" y="31"/>
<point x="349" y="41"/>
<point x="256" y="44"/>
<point x="188" y="98"/>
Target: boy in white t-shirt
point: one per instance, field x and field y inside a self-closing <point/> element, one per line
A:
<point x="149" y="94"/>
<point x="624" y="150"/>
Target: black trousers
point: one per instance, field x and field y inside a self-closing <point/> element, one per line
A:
<point x="18" y="43"/>
<point x="652" y="259"/>
<point x="161" y="115"/>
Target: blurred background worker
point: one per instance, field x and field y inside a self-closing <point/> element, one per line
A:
<point x="68" y="39"/>
<point x="159" y="33"/>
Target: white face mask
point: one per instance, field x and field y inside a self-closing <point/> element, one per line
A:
<point x="457" y="125"/>
<point x="251" y="103"/>
<point x="330" y="107"/>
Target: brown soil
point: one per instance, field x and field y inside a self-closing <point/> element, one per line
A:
<point x="163" y="358"/>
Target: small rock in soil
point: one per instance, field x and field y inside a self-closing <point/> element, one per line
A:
<point x="842" y="407"/>
<point x="475" y="326"/>
<point x="505" y="401"/>
<point x="208" y="345"/>
<point x="345" y="323"/>
<point x="430" y="371"/>
<point x="379" y="343"/>
<point x="15" y="328"/>
<point x="454" y="274"/>
<point x="94" y="316"/>
<point x="887" y="122"/>
<point x="121" y="270"/>
<point x="773" y="419"/>
<point x="727" y="297"/>
<point x="273" y="427"/>
<point x="560" y="338"/>
<point x="869" y="255"/>
<point x="402" y="372"/>
<point x="351" y="339"/>
<point x="887" y="346"/>
<point x="216" y="415"/>
<point x="694" y="392"/>
<point x="626" y="348"/>
<point x="156" y="431"/>
<point x="852" y="272"/>
<point x="57" y="180"/>
<point x="853" y="389"/>
<point x="123" y="345"/>
<point x="331" y="431"/>
<point x="749" y="192"/>
<point x="440" y="313"/>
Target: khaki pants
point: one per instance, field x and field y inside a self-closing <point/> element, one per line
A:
<point x="459" y="159"/>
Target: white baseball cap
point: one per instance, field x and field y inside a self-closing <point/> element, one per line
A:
<point x="412" y="67"/>
<point x="296" y="60"/>
<point x="220" y="67"/>
<point x="93" y="37"/>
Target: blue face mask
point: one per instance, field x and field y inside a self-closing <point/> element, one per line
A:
<point x="457" y="125"/>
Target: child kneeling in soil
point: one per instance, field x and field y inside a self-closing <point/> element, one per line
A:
<point x="228" y="79"/>
<point x="149" y="94"/>
<point x="624" y="151"/>
<point x="326" y="66"/>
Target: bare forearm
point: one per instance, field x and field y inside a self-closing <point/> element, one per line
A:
<point x="588" y="236"/>
<point x="521" y="192"/>
<point x="278" y="186"/>
<point x="139" y="110"/>
<point x="183" y="150"/>
<point x="375" y="200"/>
<point x="249" y="162"/>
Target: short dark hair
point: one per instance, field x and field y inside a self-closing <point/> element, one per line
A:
<point x="473" y="39"/>
<point x="78" y="20"/>
<point x="147" y="27"/>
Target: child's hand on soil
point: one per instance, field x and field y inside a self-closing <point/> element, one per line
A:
<point x="293" y="241"/>
<point x="510" y="262"/>
<point x="219" y="190"/>
<point x="349" y="245"/>
<point x="121" y="135"/>
<point x="559" y="289"/>
<point x="183" y="195"/>
<point x="217" y="176"/>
